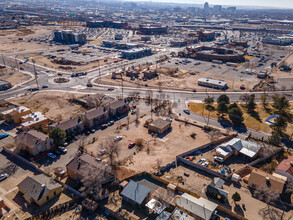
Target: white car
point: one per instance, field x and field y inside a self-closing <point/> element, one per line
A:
<point x="219" y="159"/>
<point x="3" y="176"/>
<point x="205" y="164"/>
<point x="118" y="138"/>
<point x="51" y="155"/>
<point x="63" y="150"/>
<point x="201" y="161"/>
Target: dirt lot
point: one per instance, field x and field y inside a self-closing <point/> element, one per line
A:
<point x="14" y="77"/>
<point x="161" y="150"/>
<point x="54" y="105"/>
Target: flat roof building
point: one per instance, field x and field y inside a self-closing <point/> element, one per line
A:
<point x="215" y="84"/>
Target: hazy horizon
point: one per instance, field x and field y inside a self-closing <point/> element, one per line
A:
<point x="259" y="3"/>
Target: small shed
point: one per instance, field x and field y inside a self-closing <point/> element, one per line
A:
<point x="159" y="126"/>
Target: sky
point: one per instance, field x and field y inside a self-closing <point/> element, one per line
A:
<point x="265" y="3"/>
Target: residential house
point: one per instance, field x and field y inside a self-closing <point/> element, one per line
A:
<point x="159" y="126"/>
<point x="149" y="74"/>
<point x="198" y="208"/>
<point x="32" y="120"/>
<point x="4" y="103"/>
<point x="82" y="166"/>
<point x="285" y="168"/>
<point x="135" y="193"/>
<point x="95" y="116"/>
<point x="72" y="125"/>
<point x="238" y="146"/>
<point x="118" y="107"/>
<point x="132" y="73"/>
<point x="34" y="142"/>
<point x="215" y="189"/>
<point x="14" y="115"/>
<point x="260" y="178"/>
<point x="39" y="189"/>
<point x="4" y="208"/>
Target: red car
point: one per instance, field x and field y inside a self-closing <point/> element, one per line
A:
<point x="131" y="145"/>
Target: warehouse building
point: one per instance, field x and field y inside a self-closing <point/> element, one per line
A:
<point x="136" y="53"/>
<point x="215" y="84"/>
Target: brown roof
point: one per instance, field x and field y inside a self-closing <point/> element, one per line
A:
<point x="31" y="138"/>
<point x="84" y="165"/>
<point x="160" y="123"/>
<point x="117" y="104"/>
<point x="67" y="123"/>
<point x="258" y="178"/>
<point x="286" y="165"/>
<point x="36" y="187"/>
<point x="94" y="112"/>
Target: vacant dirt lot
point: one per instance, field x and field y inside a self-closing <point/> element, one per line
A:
<point x="155" y="151"/>
<point x="14" y="77"/>
<point x="54" y="105"/>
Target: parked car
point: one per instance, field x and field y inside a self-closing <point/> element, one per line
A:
<point x="32" y="89"/>
<point x="87" y="132"/>
<point x="59" y="74"/>
<point x="133" y="112"/>
<point x="98" y="159"/>
<point x="64" y="144"/>
<point x="57" y="152"/>
<point x="63" y="150"/>
<point x="186" y="111"/>
<point x="134" y="106"/>
<point x="104" y="126"/>
<point x="2" y="136"/>
<point x="51" y="155"/>
<point x="205" y="164"/>
<point x="44" y="86"/>
<point x="3" y="176"/>
<point x="93" y="130"/>
<point x="118" y="138"/>
<point x="89" y="85"/>
<point x="21" y="68"/>
<point x="201" y="161"/>
<point x="169" y="119"/>
<point x="131" y="145"/>
<point x="111" y="89"/>
<point x="218" y="159"/>
<point x="110" y="123"/>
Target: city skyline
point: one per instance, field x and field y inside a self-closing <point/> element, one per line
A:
<point x="285" y="4"/>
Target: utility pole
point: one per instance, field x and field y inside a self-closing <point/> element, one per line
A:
<point x="122" y="87"/>
<point x="16" y="62"/>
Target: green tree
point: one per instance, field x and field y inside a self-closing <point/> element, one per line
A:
<point x="281" y="105"/>
<point x="265" y="101"/>
<point x="236" y="197"/>
<point x="250" y="106"/>
<point x="234" y="105"/>
<point x="280" y="125"/>
<point x="58" y="135"/>
<point x="236" y="116"/>
<point x="208" y="106"/>
<point x="40" y="128"/>
<point x="222" y="108"/>
<point x="223" y="98"/>
<point x="275" y="138"/>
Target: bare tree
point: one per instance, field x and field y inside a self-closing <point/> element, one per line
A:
<point x="59" y="117"/>
<point x="128" y="122"/>
<point x="137" y="117"/>
<point x="81" y="143"/>
<point x="269" y="196"/>
<point x="267" y="150"/>
<point x="245" y="98"/>
<point x="111" y="149"/>
<point x="214" y="135"/>
<point x="159" y="163"/>
<point x="9" y="168"/>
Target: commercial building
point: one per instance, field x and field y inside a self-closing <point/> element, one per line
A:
<point x="153" y="30"/>
<point x="69" y="37"/>
<point x="32" y="120"/>
<point x="107" y="24"/>
<point x="14" y="115"/>
<point x="4" y="85"/>
<point x="215" y="84"/>
<point x="39" y="189"/>
<point x="34" y="142"/>
<point x="159" y="126"/>
<point x="136" y="53"/>
<point x="121" y="44"/>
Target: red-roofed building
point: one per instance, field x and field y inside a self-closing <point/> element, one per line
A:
<point x="285" y="168"/>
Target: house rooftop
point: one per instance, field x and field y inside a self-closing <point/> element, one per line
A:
<point x="94" y="112"/>
<point x="286" y="165"/>
<point x="68" y="123"/>
<point x="117" y="104"/>
<point x="36" y="187"/>
<point x="135" y="192"/>
<point x="31" y="138"/>
<point x="160" y="123"/>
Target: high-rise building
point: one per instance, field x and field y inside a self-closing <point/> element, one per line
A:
<point x="206" y="6"/>
<point x="217" y="9"/>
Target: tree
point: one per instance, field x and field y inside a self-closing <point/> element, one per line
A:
<point x="214" y="135"/>
<point x="222" y="108"/>
<point x="236" y="116"/>
<point x="281" y="105"/>
<point x="265" y="101"/>
<point x="250" y="106"/>
<point x="280" y="125"/>
<point x="245" y="98"/>
<point x="58" y="135"/>
<point x="234" y="105"/>
<point x="81" y="143"/>
<point x="236" y="197"/>
<point x="208" y="102"/>
<point x="111" y="149"/>
<point x="275" y="138"/>
<point x="223" y="98"/>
